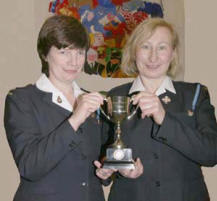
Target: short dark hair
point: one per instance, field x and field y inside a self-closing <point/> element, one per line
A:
<point x="60" y="31"/>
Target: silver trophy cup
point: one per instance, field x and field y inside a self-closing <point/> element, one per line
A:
<point x="118" y="156"/>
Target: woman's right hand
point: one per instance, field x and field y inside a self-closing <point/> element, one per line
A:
<point x="150" y="105"/>
<point x="134" y="173"/>
<point x="85" y="105"/>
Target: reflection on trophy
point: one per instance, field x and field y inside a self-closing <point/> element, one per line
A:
<point x="118" y="156"/>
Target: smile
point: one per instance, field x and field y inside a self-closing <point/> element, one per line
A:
<point x="153" y="66"/>
<point x="70" y="71"/>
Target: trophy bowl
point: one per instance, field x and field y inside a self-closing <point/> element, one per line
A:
<point x="118" y="156"/>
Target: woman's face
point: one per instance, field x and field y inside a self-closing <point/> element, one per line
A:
<point x="65" y="64"/>
<point x="154" y="55"/>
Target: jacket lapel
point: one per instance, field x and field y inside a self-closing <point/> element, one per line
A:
<point x="47" y="98"/>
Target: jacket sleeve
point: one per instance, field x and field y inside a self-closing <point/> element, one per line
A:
<point x="35" y="154"/>
<point x="106" y="141"/>
<point x="193" y="136"/>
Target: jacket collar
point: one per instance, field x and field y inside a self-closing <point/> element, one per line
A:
<point x="167" y="84"/>
<point x="44" y="84"/>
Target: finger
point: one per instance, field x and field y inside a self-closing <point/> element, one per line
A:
<point x="97" y="164"/>
<point x="91" y="95"/>
<point x="146" y="114"/>
<point x="145" y="106"/>
<point x="143" y="94"/>
<point x="98" y="97"/>
<point x="107" y="172"/>
<point x="100" y="174"/>
<point x="103" y="173"/>
<point x="147" y="100"/>
<point x="137" y="97"/>
<point x="92" y="110"/>
<point x="92" y="100"/>
<point x="139" y="166"/>
<point x="155" y="111"/>
<point x="143" y="100"/>
<point x="138" y="162"/>
<point x="101" y="97"/>
<point x="150" y="109"/>
<point x="125" y="173"/>
<point x="90" y="105"/>
<point x="147" y="111"/>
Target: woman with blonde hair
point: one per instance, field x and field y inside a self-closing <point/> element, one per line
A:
<point x="174" y="132"/>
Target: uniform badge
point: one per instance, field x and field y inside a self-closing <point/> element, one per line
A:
<point x="166" y="99"/>
<point x="96" y="116"/>
<point x="10" y="93"/>
<point x="205" y="88"/>
<point x="190" y="113"/>
<point x="59" y="100"/>
<point x="93" y="115"/>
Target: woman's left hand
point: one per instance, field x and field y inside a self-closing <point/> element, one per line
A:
<point x="150" y="105"/>
<point x="101" y="172"/>
<point x="134" y="173"/>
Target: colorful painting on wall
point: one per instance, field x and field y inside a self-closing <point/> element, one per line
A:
<point x="109" y="23"/>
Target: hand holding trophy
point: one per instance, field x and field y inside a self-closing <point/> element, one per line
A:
<point x="118" y="156"/>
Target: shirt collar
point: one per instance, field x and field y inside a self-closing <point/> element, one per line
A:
<point x="167" y="84"/>
<point x="44" y="84"/>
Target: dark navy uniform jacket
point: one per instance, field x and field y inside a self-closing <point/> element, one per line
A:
<point x="173" y="153"/>
<point x="55" y="162"/>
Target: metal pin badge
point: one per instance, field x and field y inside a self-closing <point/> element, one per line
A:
<point x="166" y="99"/>
<point x="59" y="100"/>
<point x="93" y="115"/>
<point x="190" y="113"/>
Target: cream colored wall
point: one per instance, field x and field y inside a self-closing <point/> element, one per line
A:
<point x="19" y="64"/>
<point x="201" y="58"/>
<point x="17" y="67"/>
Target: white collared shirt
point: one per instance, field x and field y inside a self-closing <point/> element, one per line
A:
<point x="44" y="84"/>
<point x="167" y="84"/>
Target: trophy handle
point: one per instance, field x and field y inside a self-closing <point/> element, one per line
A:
<point x="133" y="112"/>
<point x="137" y="107"/>
<point x="104" y="94"/>
<point x="103" y="112"/>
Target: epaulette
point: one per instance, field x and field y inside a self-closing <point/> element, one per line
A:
<point x="11" y="92"/>
<point x="195" y="99"/>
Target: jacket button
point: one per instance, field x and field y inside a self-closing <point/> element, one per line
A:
<point x="80" y="130"/>
<point x="155" y="156"/>
<point x="84" y="184"/>
<point x="72" y="145"/>
<point x="83" y="156"/>
<point x="157" y="183"/>
<point x="163" y="139"/>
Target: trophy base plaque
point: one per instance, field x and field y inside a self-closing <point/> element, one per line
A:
<point x="119" y="165"/>
<point x="117" y="158"/>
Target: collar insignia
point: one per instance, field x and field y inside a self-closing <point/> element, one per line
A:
<point x="59" y="100"/>
<point x="166" y="99"/>
<point x="190" y="113"/>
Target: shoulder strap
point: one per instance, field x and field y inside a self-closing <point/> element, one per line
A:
<point x="196" y="95"/>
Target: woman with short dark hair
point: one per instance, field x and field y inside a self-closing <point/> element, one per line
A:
<point x="51" y="125"/>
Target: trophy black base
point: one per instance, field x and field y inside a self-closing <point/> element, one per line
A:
<point x="118" y="165"/>
<point x="118" y="158"/>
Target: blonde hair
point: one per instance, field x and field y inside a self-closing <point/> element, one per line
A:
<point x="142" y="33"/>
